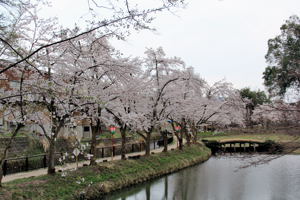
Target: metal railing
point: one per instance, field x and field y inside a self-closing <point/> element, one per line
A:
<point x="27" y="163"/>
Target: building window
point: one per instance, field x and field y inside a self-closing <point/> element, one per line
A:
<point x="86" y="129"/>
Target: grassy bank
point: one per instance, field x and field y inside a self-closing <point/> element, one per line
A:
<point x="92" y="182"/>
<point x="254" y="136"/>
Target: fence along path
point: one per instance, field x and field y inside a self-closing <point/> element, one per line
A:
<point x="69" y="166"/>
<point x="28" y="163"/>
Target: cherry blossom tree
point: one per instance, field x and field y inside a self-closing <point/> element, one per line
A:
<point x="58" y="94"/>
<point x="277" y="113"/>
<point x="122" y="107"/>
<point x="14" y="105"/>
<point x="181" y="102"/>
<point x="29" y="40"/>
<point x="199" y="103"/>
<point x="24" y="34"/>
<point x="227" y="107"/>
<point x="159" y="73"/>
<point x="103" y="73"/>
<point x="56" y="103"/>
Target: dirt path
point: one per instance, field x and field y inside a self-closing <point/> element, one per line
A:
<point x="69" y="166"/>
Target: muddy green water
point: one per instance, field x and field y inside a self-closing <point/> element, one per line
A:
<point x="225" y="178"/>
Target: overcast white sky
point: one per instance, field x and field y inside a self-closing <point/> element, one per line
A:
<point x="219" y="38"/>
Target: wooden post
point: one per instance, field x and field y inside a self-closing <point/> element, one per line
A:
<point x="45" y="161"/>
<point x="244" y="147"/>
<point x="77" y="162"/>
<point x="114" y="150"/>
<point x="140" y="146"/>
<point x="26" y="164"/>
<point x="102" y="153"/>
<point x="61" y="155"/>
<point x="112" y="144"/>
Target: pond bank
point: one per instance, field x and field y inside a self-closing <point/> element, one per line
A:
<point x="94" y="182"/>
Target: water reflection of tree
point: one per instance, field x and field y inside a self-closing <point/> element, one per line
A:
<point x="148" y="191"/>
<point x="185" y="183"/>
<point x="253" y="160"/>
<point x="286" y="186"/>
<point x="166" y="187"/>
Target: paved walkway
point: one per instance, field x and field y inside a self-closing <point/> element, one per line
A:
<point x="69" y="166"/>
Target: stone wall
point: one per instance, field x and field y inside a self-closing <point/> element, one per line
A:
<point x="108" y="141"/>
<point x="18" y="146"/>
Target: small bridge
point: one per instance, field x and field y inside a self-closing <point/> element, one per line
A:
<point x="232" y="146"/>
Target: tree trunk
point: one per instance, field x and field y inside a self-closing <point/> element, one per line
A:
<point x="51" y="157"/>
<point x="95" y="130"/>
<point x="93" y="145"/>
<point x="123" y="145"/>
<point x="249" y="112"/>
<point x="188" y="138"/>
<point x="147" y="144"/>
<point x="195" y="135"/>
<point x="1" y="173"/>
<point x="165" y="137"/>
<point x="180" y="141"/>
<point x="195" y="138"/>
<point x="52" y="142"/>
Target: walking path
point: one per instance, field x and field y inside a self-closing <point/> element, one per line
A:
<point x="69" y="166"/>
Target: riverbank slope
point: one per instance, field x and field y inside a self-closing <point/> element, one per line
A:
<point x="94" y="182"/>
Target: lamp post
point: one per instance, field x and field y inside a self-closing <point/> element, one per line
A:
<point x="112" y="131"/>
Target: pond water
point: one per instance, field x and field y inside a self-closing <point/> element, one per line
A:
<point x="227" y="177"/>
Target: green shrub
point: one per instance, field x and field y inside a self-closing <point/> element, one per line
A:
<point x="272" y="147"/>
